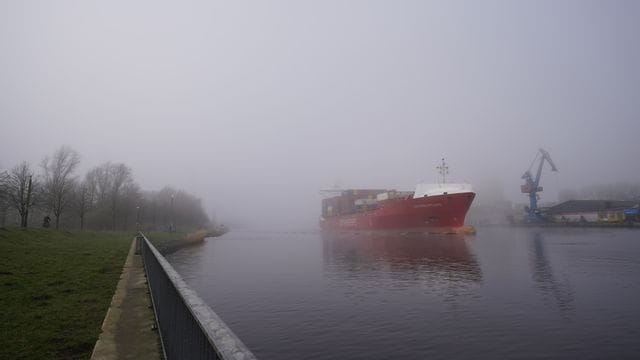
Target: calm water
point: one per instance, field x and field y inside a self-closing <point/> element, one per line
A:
<point x="503" y="293"/>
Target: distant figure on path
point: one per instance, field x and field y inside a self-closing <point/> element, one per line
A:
<point x="46" y="222"/>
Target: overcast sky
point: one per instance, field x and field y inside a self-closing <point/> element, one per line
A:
<point x="255" y="106"/>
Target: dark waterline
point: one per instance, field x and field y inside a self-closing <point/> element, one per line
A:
<point x="503" y="293"/>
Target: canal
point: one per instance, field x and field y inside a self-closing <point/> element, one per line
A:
<point x="502" y="293"/>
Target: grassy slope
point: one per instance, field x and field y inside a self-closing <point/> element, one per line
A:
<point x="166" y="242"/>
<point x="55" y="288"/>
<point x="169" y="242"/>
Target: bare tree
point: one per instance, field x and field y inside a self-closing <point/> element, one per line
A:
<point x="111" y="184"/>
<point x="130" y="198"/>
<point x="107" y="197"/>
<point x="100" y="179"/>
<point x="83" y="199"/>
<point x="617" y="191"/>
<point x="4" y="184"/>
<point x="21" y="190"/>
<point x="174" y="208"/>
<point x="59" y="180"/>
<point x="121" y="179"/>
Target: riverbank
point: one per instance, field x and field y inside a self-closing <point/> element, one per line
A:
<point x="56" y="287"/>
<point x="169" y="242"/>
<point x="626" y="225"/>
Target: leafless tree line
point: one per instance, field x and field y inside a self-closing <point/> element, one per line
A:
<point x="105" y="198"/>
<point x="619" y="191"/>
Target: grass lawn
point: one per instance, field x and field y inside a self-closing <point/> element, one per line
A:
<point x="55" y="288"/>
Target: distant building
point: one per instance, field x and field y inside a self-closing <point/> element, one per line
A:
<point x="590" y="211"/>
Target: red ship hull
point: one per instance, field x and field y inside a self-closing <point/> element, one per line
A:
<point x="440" y="212"/>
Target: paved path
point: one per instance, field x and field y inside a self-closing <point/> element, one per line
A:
<point x="128" y="329"/>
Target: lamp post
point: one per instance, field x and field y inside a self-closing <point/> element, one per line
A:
<point x="171" y="224"/>
<point x="138" y="217"/>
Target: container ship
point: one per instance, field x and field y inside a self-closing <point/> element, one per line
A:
<point x="432" y="208"/>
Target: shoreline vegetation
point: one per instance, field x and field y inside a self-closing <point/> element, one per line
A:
<point x="106" y="197"/>
<point x="56" y="286"/>
<point x="169" y="242"/>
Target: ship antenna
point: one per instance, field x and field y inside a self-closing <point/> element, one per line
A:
<point x="443" y="170"/>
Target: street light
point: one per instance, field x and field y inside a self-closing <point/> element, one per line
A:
<point x="138" y="217"/>
<point x="171" y="224"/>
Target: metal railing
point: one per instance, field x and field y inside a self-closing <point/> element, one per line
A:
<point x="187" y="326"/>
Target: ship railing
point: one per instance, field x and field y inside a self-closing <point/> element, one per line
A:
<point x="187" y="326"/>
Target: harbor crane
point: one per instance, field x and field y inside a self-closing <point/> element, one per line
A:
<point x="532" y="185"/>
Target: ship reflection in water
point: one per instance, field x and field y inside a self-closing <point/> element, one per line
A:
<point x="433" y="261"/>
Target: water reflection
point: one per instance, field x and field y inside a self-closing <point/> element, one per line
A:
<point x="545" y="279"/>
<point x="434" y="258"/>
<point x="505" y="293"/>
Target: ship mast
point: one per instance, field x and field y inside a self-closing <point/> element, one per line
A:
<point x="443" y="170"/>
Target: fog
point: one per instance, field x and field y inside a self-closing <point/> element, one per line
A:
<point x="255" y="106"/>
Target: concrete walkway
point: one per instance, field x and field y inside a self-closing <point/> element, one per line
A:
<point x="128" y="329"/>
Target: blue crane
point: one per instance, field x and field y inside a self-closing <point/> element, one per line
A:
<point x="532" y="186"/>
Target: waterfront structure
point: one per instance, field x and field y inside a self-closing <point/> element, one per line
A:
<point x="601" y="211"/>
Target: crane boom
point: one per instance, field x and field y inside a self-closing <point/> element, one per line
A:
<point x="546" y="155"/>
